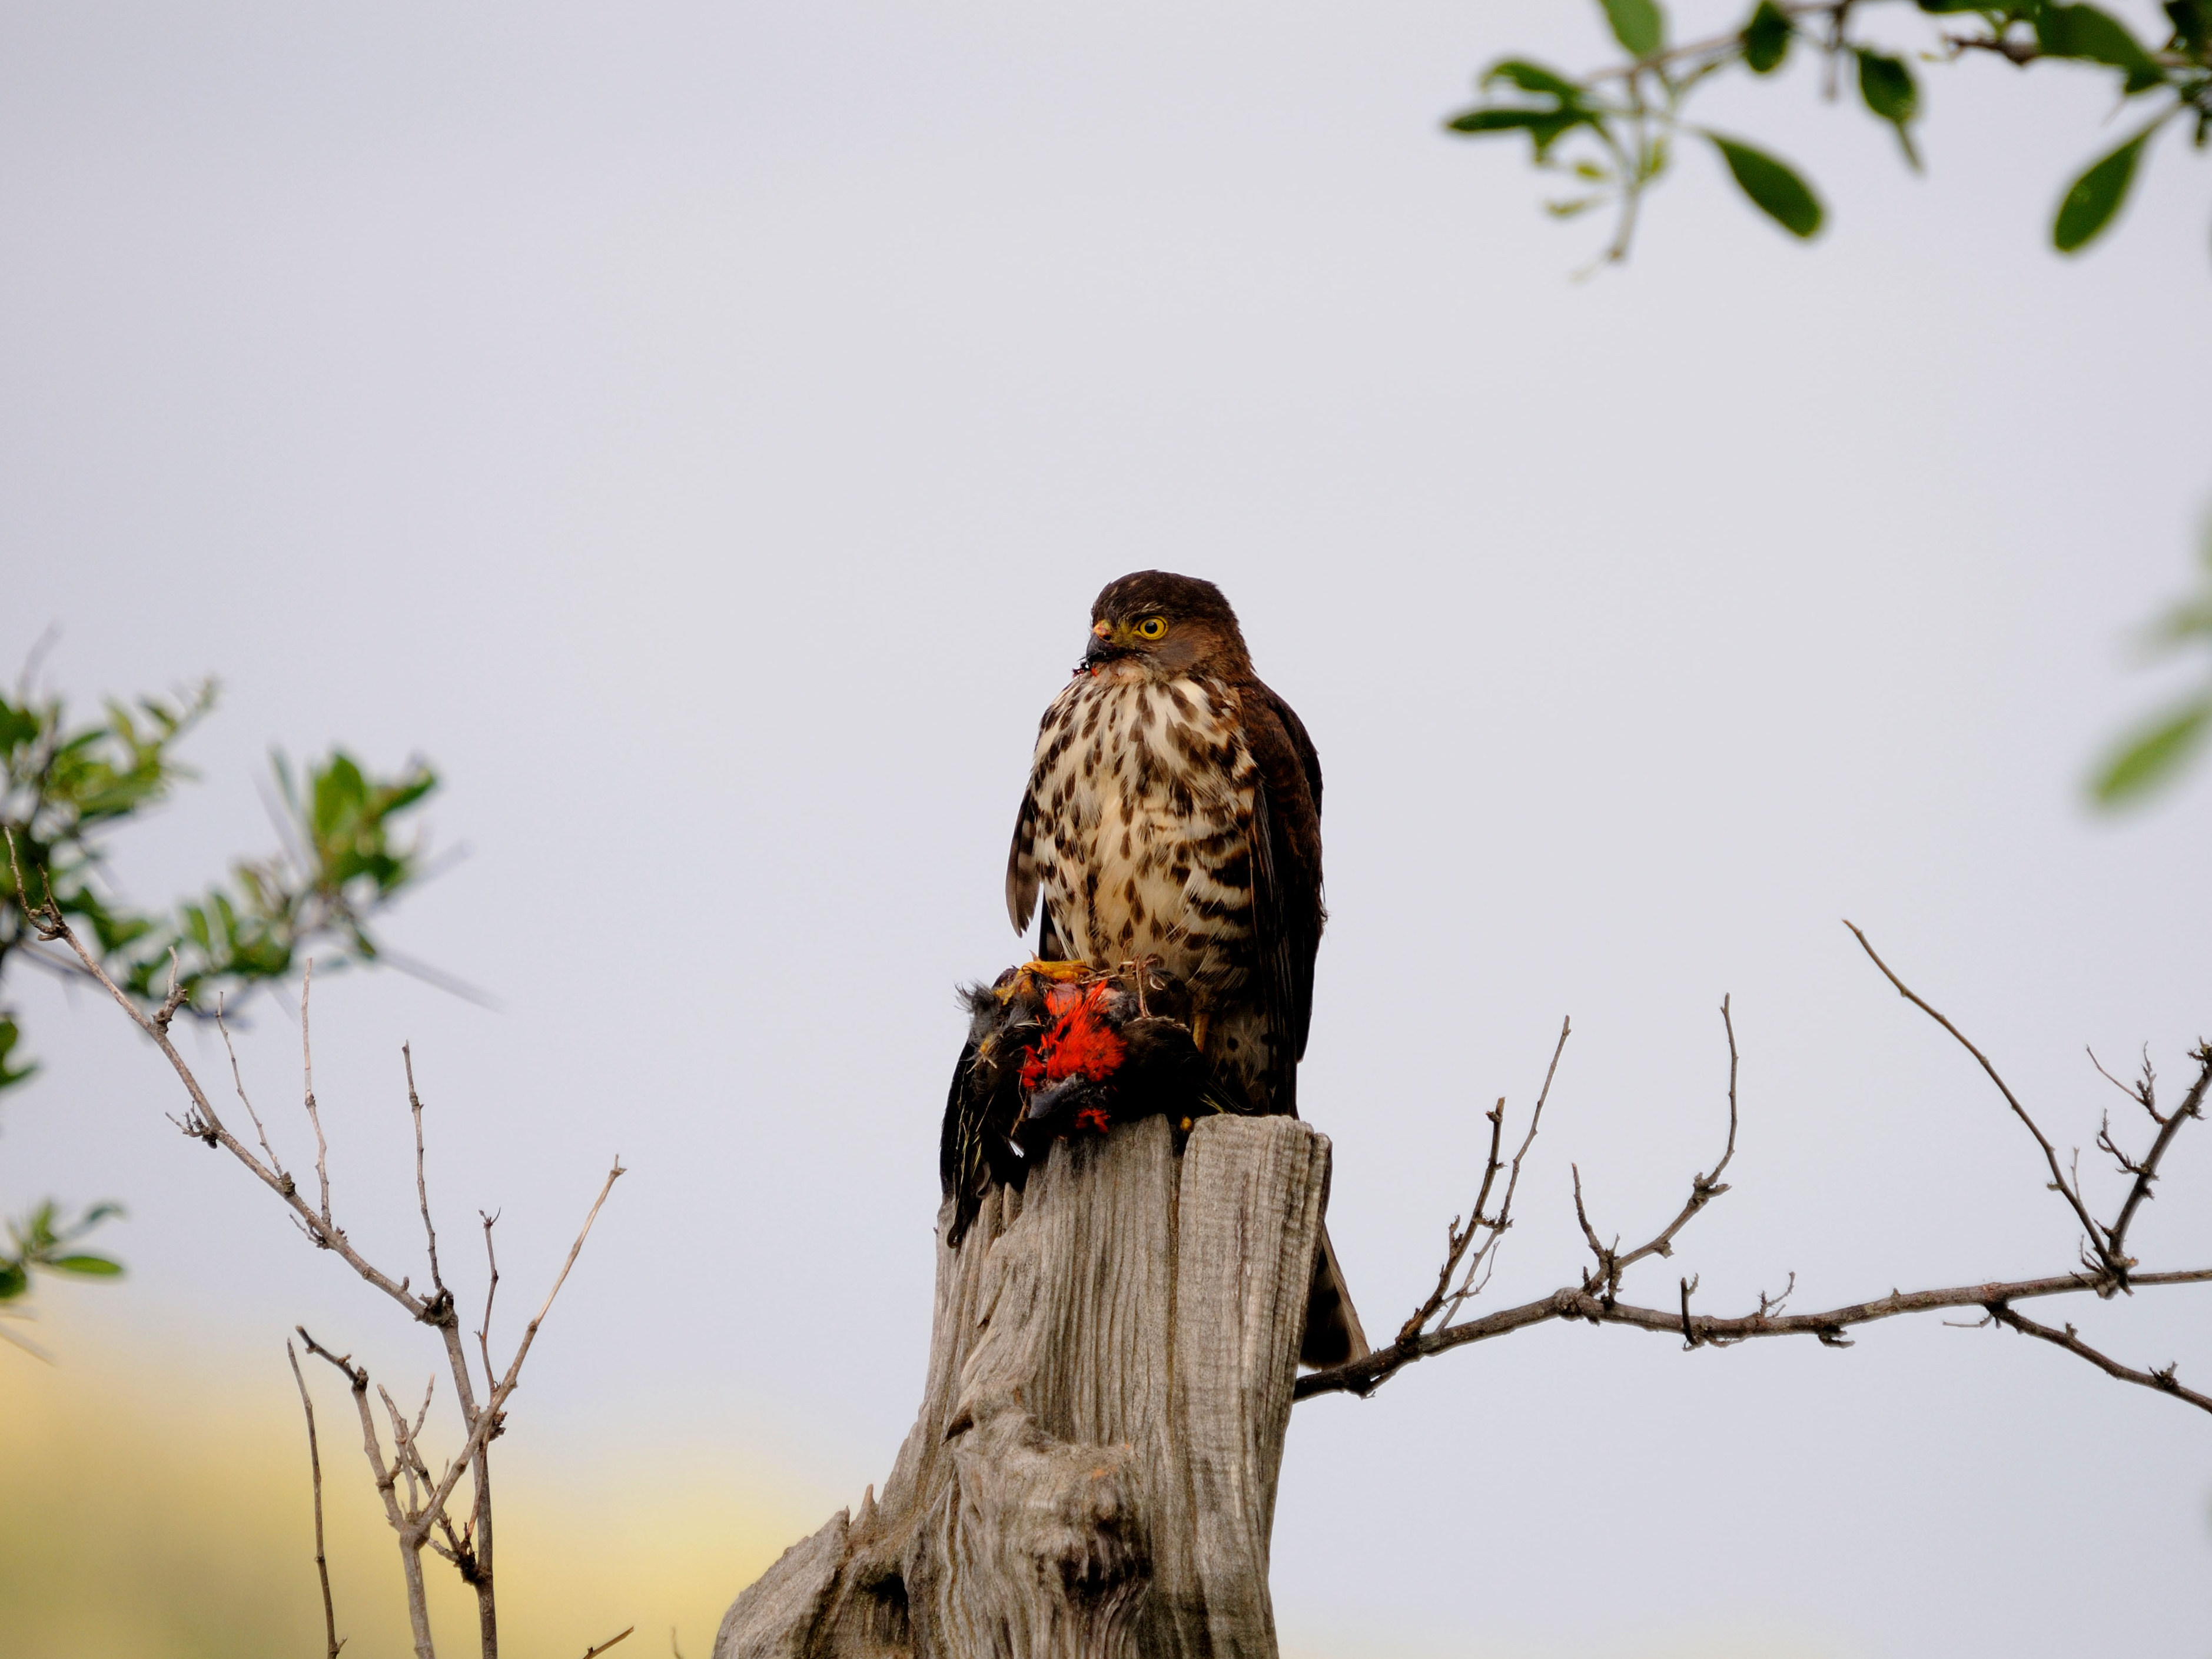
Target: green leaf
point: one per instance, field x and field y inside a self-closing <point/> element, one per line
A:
<point x="1533" y="78"/>
<point x="2096" y="195"/>
<point x="2096" y="37"/>
<point x="1638" y="25"/>
<point x="2152" y="757"/>
<point x="10" y="1034"/>
<point x="1774" y="189"/>
<point x="1543" y="125"/>
<point x="14" y="1281"/>
<point x="90" y="1267"/>
<point x="1887" y="85"/>
<point x="17" y="725"/>
<point x="1767" y="38"/>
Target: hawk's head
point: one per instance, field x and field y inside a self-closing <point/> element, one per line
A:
<point x="1163" y="626"/>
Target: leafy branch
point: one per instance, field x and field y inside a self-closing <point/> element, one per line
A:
<point x="64" y="785"/>
<point x="44" y="1239"/>
<point x="1613" y="131"/>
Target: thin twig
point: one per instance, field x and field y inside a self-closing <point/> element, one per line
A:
<point x="1703" y="1188"/>
<point x="238" y="1081"/>
<point x="2145" y="1094"/>
<point x="332" y="1641"/>
<point x="594" y="1653"/>
<point x="308" y="1067"/>
<point x="2106" y="1257"/>
<point x="1606" y="1277"/>
<point x="405" y="1457"/>
<point x="2164" y="1380"/>
<point x="491" y="1290"/>
<point x="422" y="1187"/>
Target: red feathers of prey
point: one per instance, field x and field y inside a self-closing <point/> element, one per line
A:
<point x="1078" y="1043"/>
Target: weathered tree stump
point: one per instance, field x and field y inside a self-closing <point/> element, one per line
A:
<point x="1093" y="1469"/>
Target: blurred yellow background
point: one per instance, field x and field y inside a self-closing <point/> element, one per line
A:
<point x="157" y="1506"/>
<point x="162" y="1510"/>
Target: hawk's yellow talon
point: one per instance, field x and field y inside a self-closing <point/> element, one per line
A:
<point x="1061" y="973"/>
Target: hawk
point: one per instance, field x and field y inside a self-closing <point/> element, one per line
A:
<point x="1173" y="814"/>
<point x="1173" y="818"/>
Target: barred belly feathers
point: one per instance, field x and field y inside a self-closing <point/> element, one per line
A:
<point x="1144" y="823"/>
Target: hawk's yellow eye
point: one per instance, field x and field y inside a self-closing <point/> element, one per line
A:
<point x="1153" y="628"/>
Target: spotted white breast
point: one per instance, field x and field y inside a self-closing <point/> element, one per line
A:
<point x="1139" y="820"/>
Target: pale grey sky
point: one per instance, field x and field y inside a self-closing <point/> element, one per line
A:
<point x="702" y="429"/>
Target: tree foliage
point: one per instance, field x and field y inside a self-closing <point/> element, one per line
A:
<point x="1615" y="131"/>
<point x="65" y="785"/>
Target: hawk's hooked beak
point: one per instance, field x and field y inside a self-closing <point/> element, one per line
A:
<point x="1105" y="647"/>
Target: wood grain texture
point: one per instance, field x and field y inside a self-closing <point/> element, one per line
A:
<point x="1092" y="1472"/>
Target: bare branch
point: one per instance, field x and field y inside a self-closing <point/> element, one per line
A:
<point x="594" y="1653"/>
<point x="1362" y="1377"/>
<point x="332" y="1641"/>
<point x="2106" y="1256"/>
<point x="1444" y="1297"/>
<point x="203" y="1122"/>
<point x="470" y="1547"/>
<point x="1595" y="1299"/>
<point x="1456" y="1237"/>
<point x="2191" y="1106"/>
<point x="2164" y="1380"/>
<point x="387" y="1479"/>
<point x="488" y="1420"/>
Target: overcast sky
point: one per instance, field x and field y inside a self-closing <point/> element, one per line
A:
<point x="701" y="430"/>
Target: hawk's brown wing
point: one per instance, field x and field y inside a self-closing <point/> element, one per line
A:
<point x="1022" y="873"/>
<point x="1022" y="883"/>
<point x="1287" y="908"/>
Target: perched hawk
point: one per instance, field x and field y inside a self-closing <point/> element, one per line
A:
<point x="1173" y="817"/>
<point x="1174" y="813"/>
